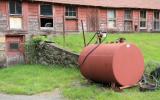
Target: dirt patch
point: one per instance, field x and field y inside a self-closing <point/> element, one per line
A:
<point x="55" y="95"/>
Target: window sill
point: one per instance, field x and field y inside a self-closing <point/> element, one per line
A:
<point x="143" y="27"/>
<point x="46" y="16"/>
<point x="15" y="15"/>
<point x="16" y="29"/>
<point x="71" y="18"/>
<point x="46" y="28"/>
<point x="128" y="19"/>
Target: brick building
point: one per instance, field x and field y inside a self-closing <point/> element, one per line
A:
<point x="20" y="18"/>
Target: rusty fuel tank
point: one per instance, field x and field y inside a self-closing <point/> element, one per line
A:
<point x="119" y="63"/>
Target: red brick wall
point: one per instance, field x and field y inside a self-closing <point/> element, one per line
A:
<point x="3" y="16"/>
<point x="58" y="17"/>
<point x="136" y="20"/>
<point x="3" y="7"/>
<point x="33" y="18"/>
<point x="149" y="20"/>
<point x="25" y="15"/>
<point x="82" y="15"/>
<point x="33" y="9"/>
<point x="102" y="19"/>
<point x="58" y="12"/>
<point x="120" y="19"/>
<point x="71" y="25"/>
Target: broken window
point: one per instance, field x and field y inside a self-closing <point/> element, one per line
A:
<point x="143" y="15"/>
<point x="71" y="11"/>
<point x="156" y="20"/>
<point x="46" y="22"/>
<point x="46" y="15"/>
<point x="111" y="16"/>
<point x="15" y="7"/>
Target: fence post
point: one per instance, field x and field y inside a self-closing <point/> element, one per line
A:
<point x="64" y="37"/>
<point x="84" y="38"/>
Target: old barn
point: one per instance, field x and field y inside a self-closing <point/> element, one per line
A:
<point x="22" y="18"/>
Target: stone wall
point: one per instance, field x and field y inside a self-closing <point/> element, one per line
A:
<point x="50" y="54"/>
<point x="2" y="52"/>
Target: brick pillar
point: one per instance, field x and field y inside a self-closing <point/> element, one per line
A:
<point x="82" y="15"/>
<point x="25" y="15"/>
<point x="3" y="16"/>
<point x="149" y="20"/>
<point x="58" y="17"/>
<point x="136" y="14"/>
<point x="103" y="19"/>
<point x="120" y="19"/>
<point x="33" y="18"/>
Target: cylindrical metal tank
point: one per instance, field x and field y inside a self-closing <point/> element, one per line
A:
<point x="119" y="63"/>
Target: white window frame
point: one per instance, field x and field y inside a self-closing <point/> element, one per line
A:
<point x="111" y="19"/>
<point x="156" y="20"/>
<point x="143" y="20"/>
<point x="12" y="16"/>
<point x="128" y="14"/>
<point x="46" y="16"/>
<point x="67" y="11"/>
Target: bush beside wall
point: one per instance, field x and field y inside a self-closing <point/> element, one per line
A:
<point x="40" y="52"/>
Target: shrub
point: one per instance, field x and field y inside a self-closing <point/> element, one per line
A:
<point x="151" y="66"/>
<point x="31" y="48"/>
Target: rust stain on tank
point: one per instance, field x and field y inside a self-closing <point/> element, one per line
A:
<point x="121" y="63"/>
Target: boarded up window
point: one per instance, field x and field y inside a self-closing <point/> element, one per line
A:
<point x="15" y="7"/>
<point x="15" y="23"/>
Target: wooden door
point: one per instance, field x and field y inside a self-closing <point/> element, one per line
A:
<point x="15" y="49"/>
<point x="92" y="19"/>
<point x="128" y="26"/>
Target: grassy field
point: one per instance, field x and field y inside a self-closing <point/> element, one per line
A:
<point x="32" y="79"/>
<point x="149" y="43"/>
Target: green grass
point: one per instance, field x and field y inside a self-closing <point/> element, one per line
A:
<point x="32" y="79"/>
<point x="149" y="43"/>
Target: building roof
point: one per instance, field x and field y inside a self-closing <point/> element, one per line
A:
<point x="142" y="4"/>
